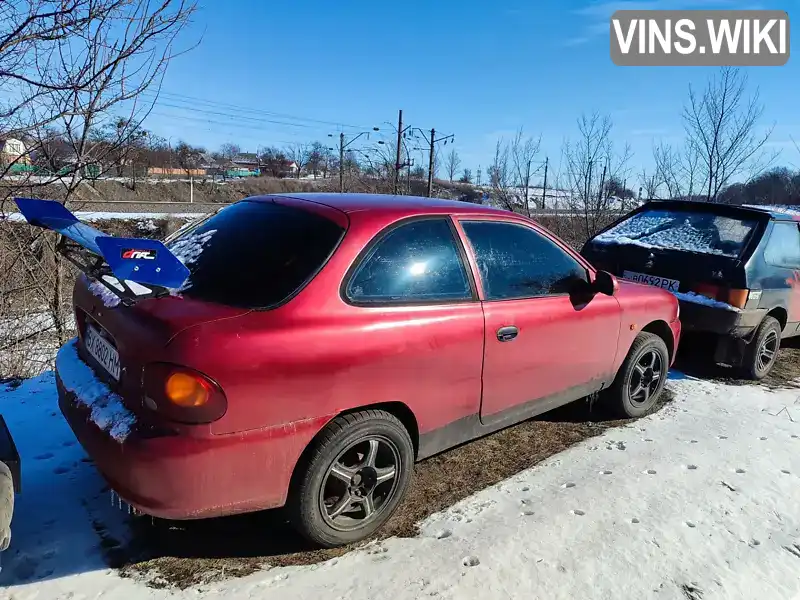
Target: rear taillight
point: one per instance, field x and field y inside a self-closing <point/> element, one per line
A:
<point x="734" y="297"/>
<point x="182" y="394"/>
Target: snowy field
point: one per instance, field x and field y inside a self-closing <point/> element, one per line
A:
<point x="696" y="501"/>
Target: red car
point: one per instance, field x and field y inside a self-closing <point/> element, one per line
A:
<point x="323" y="343"/>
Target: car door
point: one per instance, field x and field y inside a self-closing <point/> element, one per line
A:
<point x="543" y="342"/>
<point x="419" y="322"/>
<point x="782" y="284"/>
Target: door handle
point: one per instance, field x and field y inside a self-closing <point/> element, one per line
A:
<point x="506" y="334"/>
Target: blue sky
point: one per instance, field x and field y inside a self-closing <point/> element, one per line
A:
<point x="476" y="69"/>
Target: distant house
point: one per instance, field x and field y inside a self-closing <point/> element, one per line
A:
<point x="13" y="150"/>
<point x="246" y="159"/>
<point x="175" y="172"/>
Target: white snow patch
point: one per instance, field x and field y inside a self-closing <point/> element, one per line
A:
<point x="147" y="225"/>
<point x="114" y="216"/>
<point x="676" y="231"/>
<point x="188" y="249"/>
<point x="107" y="409"/>
<point x="787" y="209"/>
<point x="718" y="515"/>
<point x="704" y="300"/>
<point x="109" y="298"/>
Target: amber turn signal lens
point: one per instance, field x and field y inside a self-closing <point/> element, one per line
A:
<point x="738" y="298"/>
<point x="183" y="389"/>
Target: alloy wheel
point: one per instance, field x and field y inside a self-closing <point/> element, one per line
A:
<point x="359" y="483"/>
<point x="767" y="351"/>
<point x="645" y="377"/>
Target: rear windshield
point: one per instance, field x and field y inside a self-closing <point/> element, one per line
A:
<point x="693" y="231"/>
<point x="254" y="254"/>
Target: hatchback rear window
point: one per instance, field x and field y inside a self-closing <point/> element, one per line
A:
<point x="254" y="254"/>
<point x="690" y="230"/>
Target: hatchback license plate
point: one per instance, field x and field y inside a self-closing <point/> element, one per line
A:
<point x="102" y="351"/>
<point x="671" y="285"/>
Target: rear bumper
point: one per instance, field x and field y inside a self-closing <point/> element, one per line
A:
<point x="175" y="475"/>
<point x="698" y="318"/>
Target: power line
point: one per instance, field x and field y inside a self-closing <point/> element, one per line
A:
<point x="236" y="117"/>
<point x="170" y="96"/>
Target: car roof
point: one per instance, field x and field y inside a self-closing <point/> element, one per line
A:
<point x="413" y="205"/>
<point x="778" y="213"/>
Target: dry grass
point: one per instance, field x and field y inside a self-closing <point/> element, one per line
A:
<point x="184" y="554"/>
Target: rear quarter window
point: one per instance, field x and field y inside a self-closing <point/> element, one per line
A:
<point x="783" y="246"/>
<point x="254" y="254"/>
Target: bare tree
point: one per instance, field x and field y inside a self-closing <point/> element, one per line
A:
<point x="70" y="69"/>
<point x="452" y="163"/>
<point x="299" y="154"/>
<point x="678" y="170"/>
<point x="722" y="127"/>
<point x="650" y="183"/>
<point x="229" y="150"/>
<point x="501" y="177"/>
<point x="591" y="160"/>
<point x="189" y="157"/>
<point x="466" y="176"/>
<point x="523" y="152"/>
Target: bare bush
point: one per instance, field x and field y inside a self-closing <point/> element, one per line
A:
<point x="589" y="160"/>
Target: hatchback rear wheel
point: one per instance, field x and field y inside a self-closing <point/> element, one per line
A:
<point x="356" y="474"/>
<point x="762" y="351"/>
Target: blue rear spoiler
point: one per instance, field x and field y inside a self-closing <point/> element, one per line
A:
<point x="141" y="260"/>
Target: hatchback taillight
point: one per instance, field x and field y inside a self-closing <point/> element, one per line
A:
<point x="182" y="394"/>
<point x="734" y="297"/>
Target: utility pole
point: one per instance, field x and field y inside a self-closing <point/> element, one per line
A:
<point x="430" y="162"/>
<point x="588" y="184"/>
<point x="544" y="185"/>
<point x="341" y="163"/>
<point x="602" y="183"/>
<point x="342" y="148"/>
<point x="478" y="178"/>
<point x="409" y="163"/>
<point x="398" y="165"/>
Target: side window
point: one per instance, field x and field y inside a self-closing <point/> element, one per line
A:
<point x="783" y="247"/>
<point x="517" y="262"/>
<point x="416" y="262"/>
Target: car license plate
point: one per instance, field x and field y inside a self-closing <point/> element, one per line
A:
<point x="102" y="351"/>
<point x="671" y="285"/>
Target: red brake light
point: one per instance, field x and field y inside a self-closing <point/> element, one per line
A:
<point x="182" y="394"/>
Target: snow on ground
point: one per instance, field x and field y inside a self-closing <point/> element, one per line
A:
<point x="698" y="500"/>
<point x="123" y="216"/>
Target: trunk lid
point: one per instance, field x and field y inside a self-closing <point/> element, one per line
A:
<point x="139" y="333"/>
<point x="702" y="247"/>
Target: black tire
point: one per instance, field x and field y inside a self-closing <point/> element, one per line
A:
<point x="6" y="506"/>
<point x="347" y="442"/>
<point x="625" y="398"/>
<point x="766" y="339"/>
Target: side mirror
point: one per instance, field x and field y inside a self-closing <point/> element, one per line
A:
<point x="605" y="283"/>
